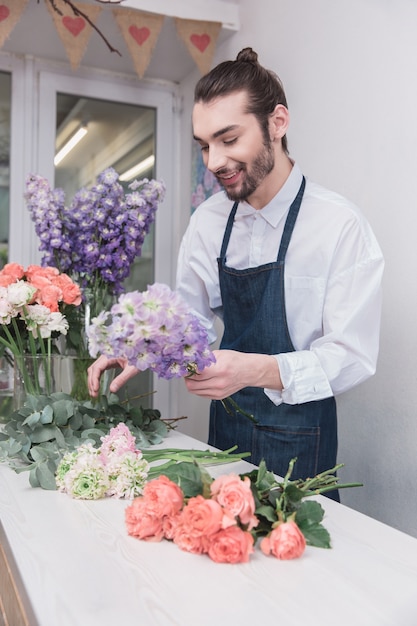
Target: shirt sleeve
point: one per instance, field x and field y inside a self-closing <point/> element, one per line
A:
<point x="193" y="276"/>
<point x="346" y="354"/>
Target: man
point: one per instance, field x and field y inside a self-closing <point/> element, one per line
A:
<point x="292" y="269"/>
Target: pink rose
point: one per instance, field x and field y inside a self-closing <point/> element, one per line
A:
<point x="235" y="495"/>
<point x="201" y="517"/>
<point x="196" y="544"/>
<point x="12" y="272"/>
<point x="142" y="522"/>
<point x="286" y="541"/>
<point x="71" y="291"/>
<point x="170" y="524"/>
<point x="163" y="496"/>
<point x="231" y="545"/>
<point x="49" y="296"/>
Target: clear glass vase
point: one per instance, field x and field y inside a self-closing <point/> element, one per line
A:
<point x="46" y="374"/>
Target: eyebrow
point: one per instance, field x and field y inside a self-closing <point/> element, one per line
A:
<point x="220" y="132"/>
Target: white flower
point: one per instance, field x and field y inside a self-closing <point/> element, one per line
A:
<point x="6" y="311"/>
<point x="20" y="293"/>
<point x="41" y="322"/>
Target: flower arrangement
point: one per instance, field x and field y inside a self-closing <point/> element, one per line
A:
<point x="33" y="302"/>
<point x="95" y="239"/>
<point x="152" y="330"/>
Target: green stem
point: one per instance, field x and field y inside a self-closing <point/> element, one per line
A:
<point x="238" y="409"/>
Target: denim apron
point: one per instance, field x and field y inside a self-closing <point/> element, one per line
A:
<point x="255" y="321"/>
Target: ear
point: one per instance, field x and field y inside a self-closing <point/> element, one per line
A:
<point x="279" y="121"/>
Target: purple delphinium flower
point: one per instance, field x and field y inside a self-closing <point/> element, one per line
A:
<point x="97" y="237"/>
<point x="153" y="330"/>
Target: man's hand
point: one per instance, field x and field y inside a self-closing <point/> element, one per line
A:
<point x="233" y="371"/>
<point x="102" y="364"/>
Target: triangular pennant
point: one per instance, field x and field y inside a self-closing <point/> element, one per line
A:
<point x="73" y="30"/>
<point x="200" y="39"/>
<point x="10" y="12"/>
<point x="140" y="31"/>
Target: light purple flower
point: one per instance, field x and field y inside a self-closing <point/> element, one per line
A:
<point x="153" y="330"/>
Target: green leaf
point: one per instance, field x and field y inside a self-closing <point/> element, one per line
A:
<point x="315" y="534"/>
<point x="310" y="511"/>
<point x="33" y="478"/>
<point x="47" y="415"/>
<point x="43" y="433"/>
<point x="32" y="419"/>
<point x="63" y="409"/>
<point x="189" y="476"/>
<point x="39" y="454"/>
<point x="88" y="422"/>
<point x="266" y="511"/>
<point x="76" y="421"/>
<point x="46" y="477"/>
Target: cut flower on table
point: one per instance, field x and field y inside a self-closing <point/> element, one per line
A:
<point x="229" y="514"/>
<point x="174" y="497"/>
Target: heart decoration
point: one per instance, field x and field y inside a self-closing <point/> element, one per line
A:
<point x="140" y="35"/>
<point x="74" y="24"/>
<point x="200" y="41"/>
<point x="4" y="12"/>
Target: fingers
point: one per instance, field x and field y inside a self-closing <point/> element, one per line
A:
<point x="96" y="370"/>
<point x="120" y="380"/>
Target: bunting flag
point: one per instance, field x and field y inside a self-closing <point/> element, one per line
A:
<point x="10" y="12"/>
<point x="140" y="31"/>
<point x="73" y="30"/>
<point x="200" y="40"/>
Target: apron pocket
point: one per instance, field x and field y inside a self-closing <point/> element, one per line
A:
<point x="277" y="445"/>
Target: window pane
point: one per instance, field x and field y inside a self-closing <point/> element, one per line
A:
<point x="5" y="105"/>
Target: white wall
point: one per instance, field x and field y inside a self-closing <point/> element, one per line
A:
<point x="349" y="68"/>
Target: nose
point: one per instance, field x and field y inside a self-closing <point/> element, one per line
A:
<point x="215" y="159"/>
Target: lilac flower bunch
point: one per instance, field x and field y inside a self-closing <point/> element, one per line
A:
<point x="154" y="330"/>
<point x="97" y="237"/>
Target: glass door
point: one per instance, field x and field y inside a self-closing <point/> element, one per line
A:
<point x="124" y="127"/>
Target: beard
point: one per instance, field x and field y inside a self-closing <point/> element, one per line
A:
<point x="262" y="165"/>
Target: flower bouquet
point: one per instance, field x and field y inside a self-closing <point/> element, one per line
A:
<point x="33" y="303"/>
<point x="154" y="330"/>
<point x="95" y="240"/>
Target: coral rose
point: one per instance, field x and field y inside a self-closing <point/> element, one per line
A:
<point x="163" y="496"/>
<point x="71" y="291"/>
<point x="235" y="495"/>
<point x="143" y="523"/>
<point x="11" y="272"/>
<point x="196" y="544"/>
<point x="231" y="545"/>
<point x="286" y="541"/>
<point x="49" y="295"/>
<point x="201" y="517"/>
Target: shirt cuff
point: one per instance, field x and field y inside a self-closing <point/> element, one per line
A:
<point x="302" y="377"/>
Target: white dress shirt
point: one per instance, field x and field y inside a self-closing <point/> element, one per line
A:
<point x="333" y="272"/>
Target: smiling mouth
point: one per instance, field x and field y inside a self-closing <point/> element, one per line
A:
<point x="229" y="178"/>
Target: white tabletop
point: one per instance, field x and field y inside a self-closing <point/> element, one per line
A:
<point x="80" y="568"/>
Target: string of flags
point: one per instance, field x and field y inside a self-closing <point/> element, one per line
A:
<point x="140" y="31"/>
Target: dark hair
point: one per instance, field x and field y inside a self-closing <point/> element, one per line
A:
<point x="264" y="88"/>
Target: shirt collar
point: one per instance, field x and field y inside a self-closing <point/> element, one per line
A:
<point x="275" y="210"/>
